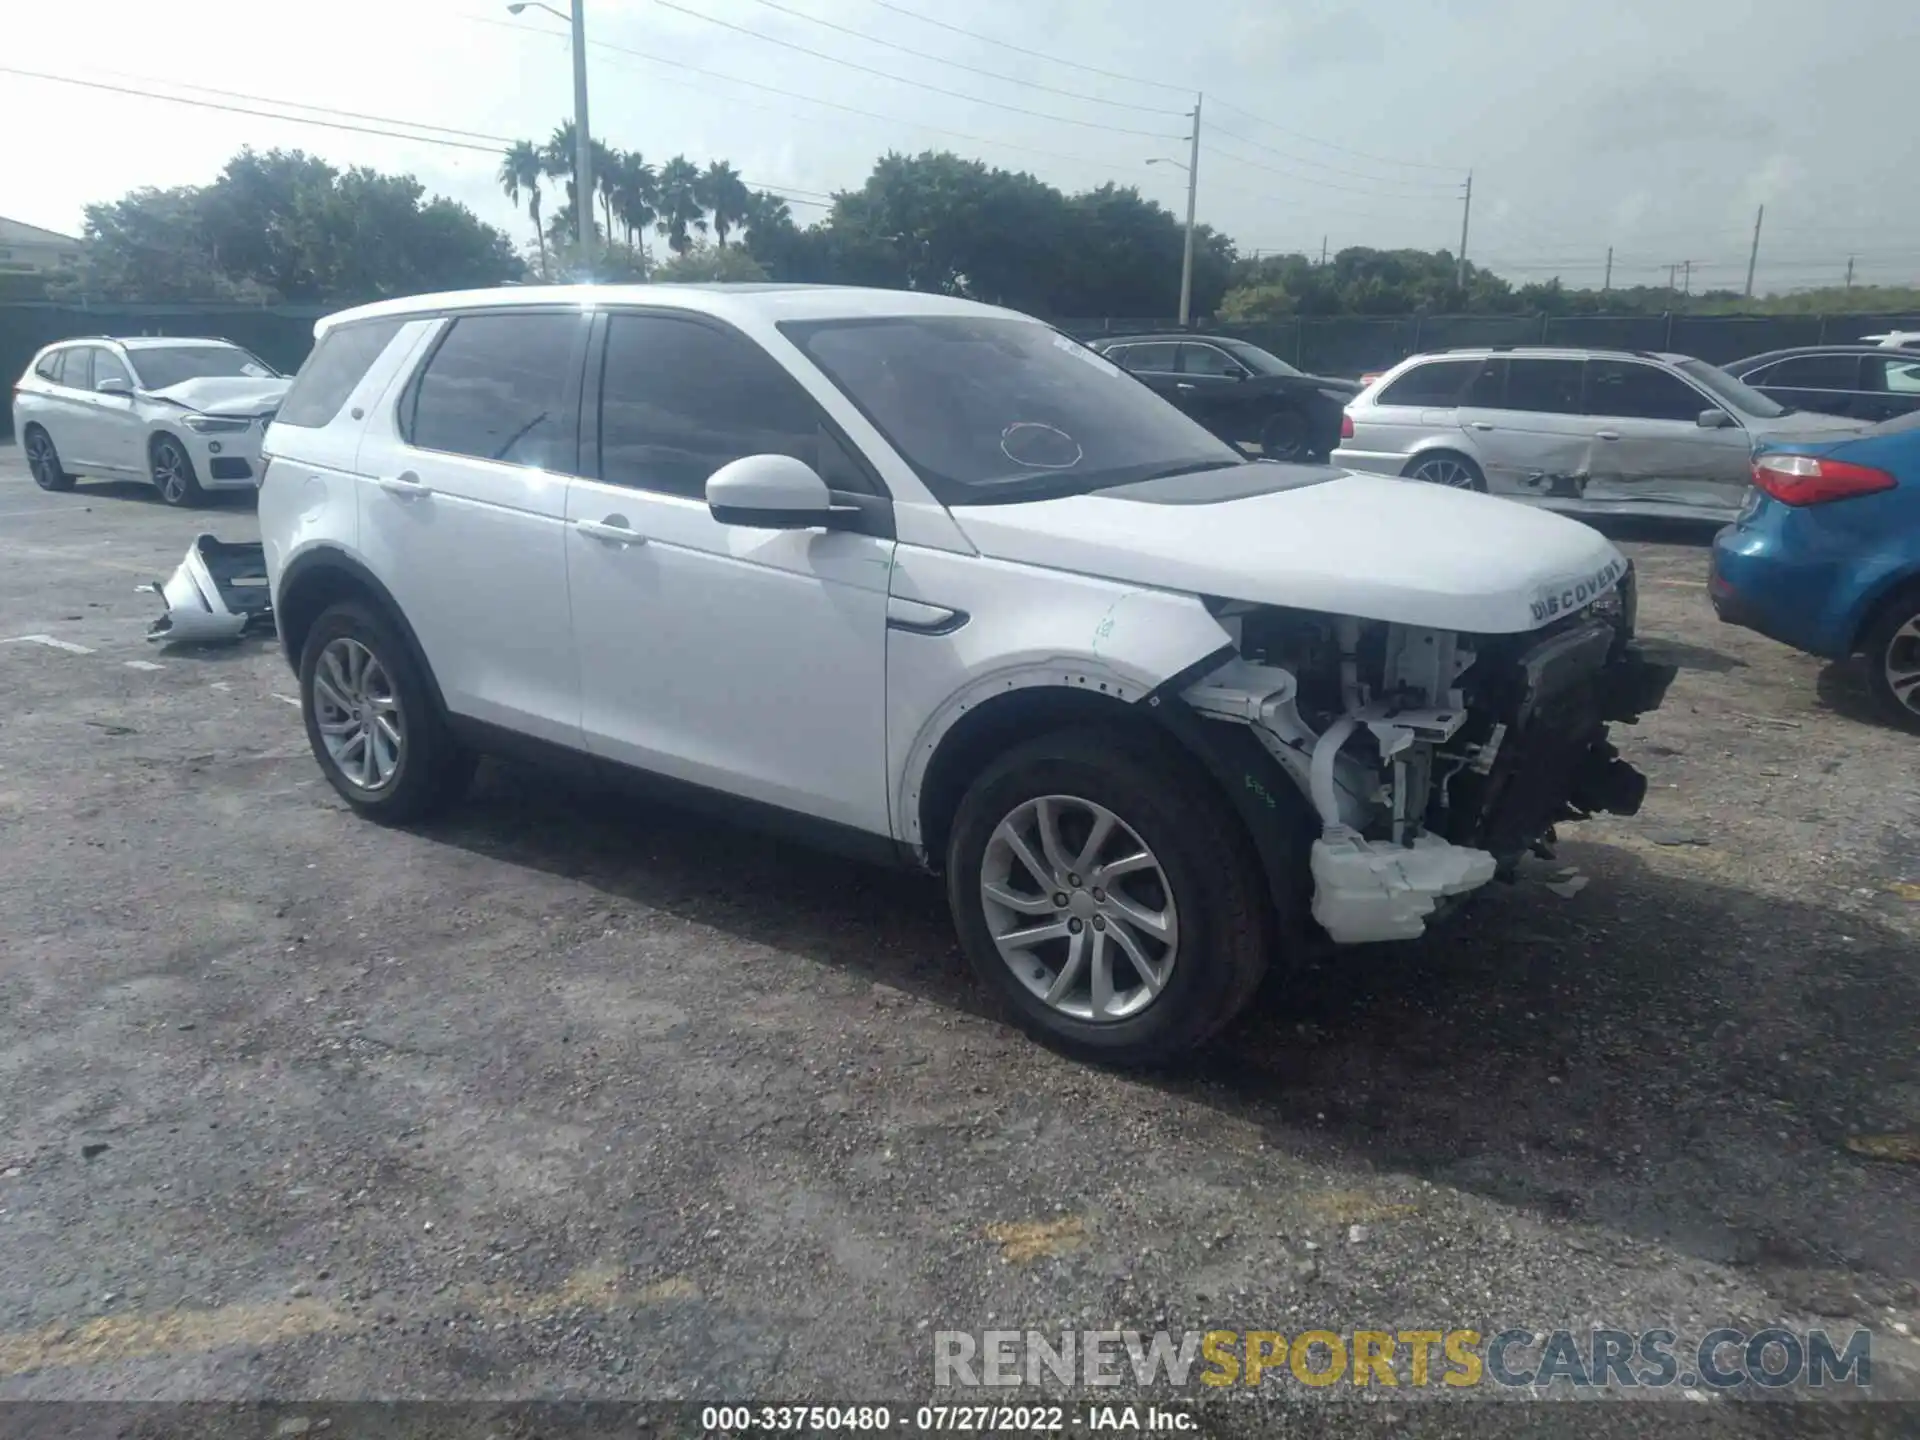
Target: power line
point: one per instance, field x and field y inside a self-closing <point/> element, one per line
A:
<point x="904" y="80"/>
<point x="1214" y="129"/>
<point x="1035" y="54"/>
<point x="962" y="65"/>
<point x="679" y="65"/>
<point x="1318" y="183"/>
<point x="451" y="144"/>
<point x="1337" y="149"/>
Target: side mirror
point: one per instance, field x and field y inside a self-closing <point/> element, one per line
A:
<point x="1715" y="419"/>
<point x="113" y="385"/>
<point x="771" y="492"/>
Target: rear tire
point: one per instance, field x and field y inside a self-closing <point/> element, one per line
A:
<point x="43" y="461"/>
<point x="1191" y="874"/>
<point x="358" y="678"/>
<point x="1447" y="468"/>
<point x="1893" y="660"/>
<point x="1285" y="435"/>
<point x="173" y="474"/>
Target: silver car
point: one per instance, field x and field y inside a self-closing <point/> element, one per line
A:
<point x="1588" y="431"/>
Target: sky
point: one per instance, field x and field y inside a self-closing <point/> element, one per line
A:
<point x="1655" y="127"/>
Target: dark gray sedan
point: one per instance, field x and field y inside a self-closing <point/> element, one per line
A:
<point x="1863" y="382"/>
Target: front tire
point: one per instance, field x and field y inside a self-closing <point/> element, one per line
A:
<point x="1106" y="897"/>
<point x="43" y="461"/>
<point x="1893" y="661"/>
<point x="371" y="719"/>
<point x="174" y="476"/>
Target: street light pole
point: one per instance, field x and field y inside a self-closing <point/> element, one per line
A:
<point x="1193" y="187"/>
<point x="582" y="142"/>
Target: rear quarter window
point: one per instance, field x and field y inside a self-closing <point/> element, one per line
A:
<point x="337" y="364"/>
<point x="47" y="367"/>
<point x="1437" y="382"/>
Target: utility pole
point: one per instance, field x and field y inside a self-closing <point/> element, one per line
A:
<point x="1850" y="272"/>
<point x="1607" y="284"/>
<point x="1193" y="191"/>
<point x="582" y="145"/>
<point x="1466" y="210"/>
<point x="1753" y="255"/>
<point x="1323" y="249"/>
<point x="1673" y="278"/>
<point x="1686" y="271"/>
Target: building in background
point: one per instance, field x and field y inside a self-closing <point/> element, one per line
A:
<point x="29" y="250"/>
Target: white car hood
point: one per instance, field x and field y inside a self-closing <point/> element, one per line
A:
<point x="227" y="395"/>
<point x="1362" y="545"/>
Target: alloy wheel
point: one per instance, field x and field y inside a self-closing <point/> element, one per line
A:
<point x="358" y="714"/>
<point x="1901" y="663"/>
<point x="1080" y="908"/>
<point x="40" y="460"/>
<point x="170" y="472"/>
<point x="1444" y="470"/>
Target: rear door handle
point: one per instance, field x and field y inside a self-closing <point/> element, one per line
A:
<point x="612" y="533"/>
<point x="406" y="484"/>
<point x="1479" y="425"/>
<point x="1183" y="385"/>
<point x="1606" y="434"/>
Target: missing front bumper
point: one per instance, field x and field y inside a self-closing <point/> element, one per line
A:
<point x="218" y="592"/>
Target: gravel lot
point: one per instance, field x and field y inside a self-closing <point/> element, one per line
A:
<point x="565" y="1096"/>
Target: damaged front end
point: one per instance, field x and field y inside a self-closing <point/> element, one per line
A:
<point x="1434" y="760"/>
<point x="218" y="592"/>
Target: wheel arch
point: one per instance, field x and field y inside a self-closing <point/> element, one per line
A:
<point x="1451" y="451"/>
<point x="324" y="576"/>
<point x="1890" y="592"/>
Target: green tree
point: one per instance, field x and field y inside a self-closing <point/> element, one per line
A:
<point x="521" y="170"/>
<point x="704" y="262"/>
<point x="635" y="192"/>
<point x="680" y="205"/>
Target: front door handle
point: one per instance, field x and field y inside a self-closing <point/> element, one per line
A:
<point x="1480" y="425"/>
<point x="1606" y="434"/>
<point x="613" y="530"/>
<point x="1183" y="385"/>
<point x="407" y="485"/>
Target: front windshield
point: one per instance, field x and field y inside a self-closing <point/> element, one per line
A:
<point x="1258" y="360"/>
<point x="1729" y="391"/>
<point x="991" y="410"/>
<point x="163" y="365"/>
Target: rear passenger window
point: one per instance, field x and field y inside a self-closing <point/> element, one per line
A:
<point x="1815" y="372"/>
<point x="1154" y="357"/>
<point x="1438" y="382"/>
<point x="76" y="367"/>
<point x="679" y="399"/>
<point x="1550" y="387"/>
<point x="496" y="389"/>
<point x="1636" y="391"/>
<point x="338" y="363"/>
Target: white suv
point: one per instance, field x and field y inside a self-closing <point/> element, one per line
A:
<point x="186" y="414"/>
<point x="931" y="582"/>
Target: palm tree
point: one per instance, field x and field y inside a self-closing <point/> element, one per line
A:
<point x="764" y="211"/>
<point x="556" y="158"/>
<point x="726" y="195"/>
<point x="606" y="162"/>
<point x="680" y="204"/>
<point x="521" y="169"/>
<point x="634" y="193"/>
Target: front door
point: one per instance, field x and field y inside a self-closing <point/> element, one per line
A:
<point x="749" y="661"/>
<point x="1649" y="418"/>
<point x="121" y="435"/>
<point x="463" y="493"/>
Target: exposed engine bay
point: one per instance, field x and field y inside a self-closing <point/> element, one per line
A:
<point x="1434" y="760"/>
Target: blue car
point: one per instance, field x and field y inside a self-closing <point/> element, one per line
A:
<point x="1826" y="555"/>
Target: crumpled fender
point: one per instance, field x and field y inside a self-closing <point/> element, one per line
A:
<point x="217" y="592"/>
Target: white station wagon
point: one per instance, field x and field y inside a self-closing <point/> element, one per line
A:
<point x="930" y="582"/>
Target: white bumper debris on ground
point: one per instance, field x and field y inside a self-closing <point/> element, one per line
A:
<point x="217" y="593"/>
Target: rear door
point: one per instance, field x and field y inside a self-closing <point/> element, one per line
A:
<point x="1892" y="384"/>
<point x="463" y="490"/>
<point x="1650" y="446"/>
<point x="1157" y="363"/>
<point x="1530" y="435"/>
<point x="69" y="417"/>
<point x="1830" y="384"/>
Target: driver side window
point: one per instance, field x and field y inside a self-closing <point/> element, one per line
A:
<point x="1210" y="360"/>
<point x="107" y="366"/>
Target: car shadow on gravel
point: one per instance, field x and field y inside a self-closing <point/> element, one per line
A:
<point x="1680" y="1061"/>
<point x="140" y="492"/>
